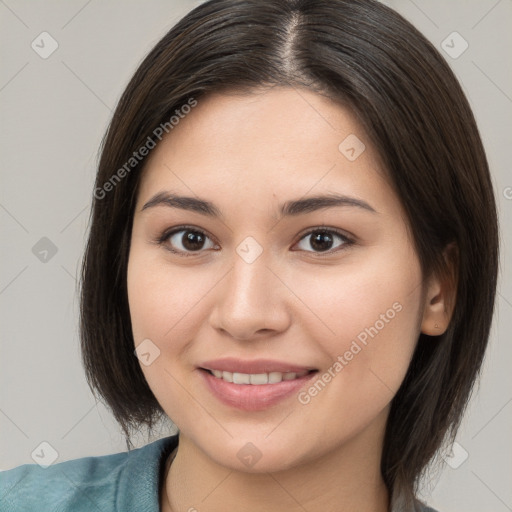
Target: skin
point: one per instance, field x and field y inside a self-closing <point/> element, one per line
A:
<point x="247" y="154"/>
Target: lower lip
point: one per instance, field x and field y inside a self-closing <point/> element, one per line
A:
<point x="249" y="397"/>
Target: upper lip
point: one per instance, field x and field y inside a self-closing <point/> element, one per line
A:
<point x="254" y="366"/>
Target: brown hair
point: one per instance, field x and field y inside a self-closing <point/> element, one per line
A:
<point x="368" y="57"/>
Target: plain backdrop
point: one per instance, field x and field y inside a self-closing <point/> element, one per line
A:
<point x="54" y="112"/>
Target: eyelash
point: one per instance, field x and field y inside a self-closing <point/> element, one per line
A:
<point x="164" y="237"/>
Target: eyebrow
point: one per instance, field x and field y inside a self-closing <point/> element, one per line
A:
<point x="289" y="208"/>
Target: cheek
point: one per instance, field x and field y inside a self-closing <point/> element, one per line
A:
<point x="163" y="302"/>
<point x="366" y="320"/>
<point x="371" y="311"/>
<point x="164" y="307"/>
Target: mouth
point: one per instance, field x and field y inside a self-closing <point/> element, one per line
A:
<point x="253" y="385"/>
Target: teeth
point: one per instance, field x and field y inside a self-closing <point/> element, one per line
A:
<point x="257" y="378"/>
<point x="241" y="378"/>
<point x="274" y="377"/>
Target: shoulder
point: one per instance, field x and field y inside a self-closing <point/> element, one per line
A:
<point x="105" y="483"/>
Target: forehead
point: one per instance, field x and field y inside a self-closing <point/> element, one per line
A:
<point x="246" y="149"/>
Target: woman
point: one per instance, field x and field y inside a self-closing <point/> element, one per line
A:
<point x="293" y="256"/>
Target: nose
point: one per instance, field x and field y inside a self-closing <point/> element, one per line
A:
<point x="251" y="301"/>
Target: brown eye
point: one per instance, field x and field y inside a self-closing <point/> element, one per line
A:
<point x="188" y="240"/>
<point x="323" y="240"/>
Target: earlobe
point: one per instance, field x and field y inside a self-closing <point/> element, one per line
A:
<point x="440" y="296"/>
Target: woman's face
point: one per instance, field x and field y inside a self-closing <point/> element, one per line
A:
<point x="311" y="306"/>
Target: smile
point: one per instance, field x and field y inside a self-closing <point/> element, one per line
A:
<point x="257" y="379"/>
<point x="253" y="385"/>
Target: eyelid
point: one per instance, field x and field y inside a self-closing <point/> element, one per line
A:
<point x="324" y="228"/>
<point x="176" y="229"/>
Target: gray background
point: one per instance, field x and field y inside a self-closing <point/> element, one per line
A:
<point x="54" y="112"/>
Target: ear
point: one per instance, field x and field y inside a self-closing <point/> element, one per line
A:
<point x="440" y="295"/>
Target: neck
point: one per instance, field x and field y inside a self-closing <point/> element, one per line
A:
<point x="345" y="479"/>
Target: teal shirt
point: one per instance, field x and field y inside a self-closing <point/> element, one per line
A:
<point x="122" y="482"/>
